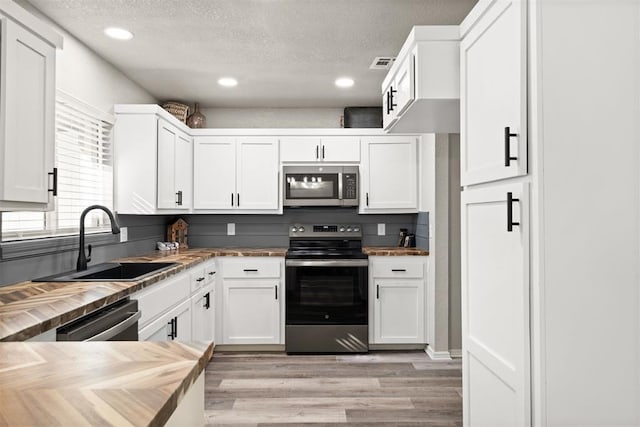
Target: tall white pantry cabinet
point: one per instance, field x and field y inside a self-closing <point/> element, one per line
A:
<point x="550" y="165"/>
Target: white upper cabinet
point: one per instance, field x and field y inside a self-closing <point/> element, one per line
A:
<point x="494" y="88"/>
<point x="27" y="110"/>
<point x="389" y="175"/>
<point x="421" y="92"/>
<point x="214" y="172"/>
<point x="334" y="149"/>
<point x="153" y="161"/>
<point x="174" y="167"/>
<point x="239" y="174"/>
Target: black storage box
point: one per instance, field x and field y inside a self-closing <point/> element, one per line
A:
<point x="363" y="117"/>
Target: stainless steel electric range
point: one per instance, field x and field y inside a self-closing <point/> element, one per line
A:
<point x="326" y="290"/>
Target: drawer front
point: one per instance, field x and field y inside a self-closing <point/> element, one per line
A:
<point x="242" y="268"/>
<point x="197" y="278"/>
<point x="397" y="269"/>
<point x="162" y="296"/>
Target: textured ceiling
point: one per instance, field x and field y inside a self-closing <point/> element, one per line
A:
<point x="284" y="53"/>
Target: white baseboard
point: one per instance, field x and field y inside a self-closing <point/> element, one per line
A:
<point x="437" y="355"/>
<point x="456" y="353"/>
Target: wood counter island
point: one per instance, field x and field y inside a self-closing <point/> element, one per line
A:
<point x="102" y="383"/>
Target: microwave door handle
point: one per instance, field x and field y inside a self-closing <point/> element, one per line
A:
<point x="340" y="186"/>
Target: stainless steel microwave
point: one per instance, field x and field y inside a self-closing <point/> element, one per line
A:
<point x="320" y="185"/>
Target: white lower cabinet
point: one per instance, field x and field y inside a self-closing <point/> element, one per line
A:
<point x="495" y="305"/>
<point x="166" y="309"/>
<point x="175" y="324"/>
<point x="397" y="289"/>
<point x="252" y="293"/>
<point x="202" y="315"/>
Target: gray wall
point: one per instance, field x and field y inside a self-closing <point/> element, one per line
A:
<point x="273" y="117"/>
<point x="455" y="302"/>
<point x="25" y="260"/>
<point x="273" y="230"/>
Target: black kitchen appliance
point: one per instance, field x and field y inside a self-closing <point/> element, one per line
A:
<point x="326" y="290"/>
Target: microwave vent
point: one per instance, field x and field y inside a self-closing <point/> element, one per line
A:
<point x="382" y="62"/>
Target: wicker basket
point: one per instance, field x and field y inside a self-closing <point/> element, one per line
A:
<point x="181" y="111"/>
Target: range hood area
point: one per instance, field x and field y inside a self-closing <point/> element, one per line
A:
<point x="421" y="92"/>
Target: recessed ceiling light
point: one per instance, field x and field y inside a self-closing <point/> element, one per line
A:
<point x="344" y="82"/>
<point x="118" y="33"/>
<point x="228" y="82"/>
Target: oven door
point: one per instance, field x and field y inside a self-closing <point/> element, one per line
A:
<point x="326" y="292"/>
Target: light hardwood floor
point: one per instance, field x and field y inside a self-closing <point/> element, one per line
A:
<point x="379" y="388"/>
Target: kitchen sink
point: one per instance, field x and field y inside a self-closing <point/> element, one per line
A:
<point x="110" y="272"/>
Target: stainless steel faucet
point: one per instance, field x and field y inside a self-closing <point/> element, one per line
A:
<point x="115" y="229"/>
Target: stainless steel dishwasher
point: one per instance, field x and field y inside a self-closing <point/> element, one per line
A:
<point x="115" y="322"/>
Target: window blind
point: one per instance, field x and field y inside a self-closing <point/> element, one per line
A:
<point x="84" y="158"/>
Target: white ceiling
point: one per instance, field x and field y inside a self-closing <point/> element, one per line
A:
<point x="284" y="53"/>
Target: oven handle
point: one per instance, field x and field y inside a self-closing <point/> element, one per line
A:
<point x="327" y="263"/>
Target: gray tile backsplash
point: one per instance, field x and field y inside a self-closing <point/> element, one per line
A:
<point x="144" y="232"/>
<point x="273" y="230"/>
<point x="211" y="231"/>
<point x="422" y="230"/>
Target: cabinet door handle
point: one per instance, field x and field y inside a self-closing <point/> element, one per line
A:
<point x="276" y="291"/>
<point x="207" y="300"/>
<point x="377" y="291"/>
<point x="398" y="269"/>
<point x="179" y="198"/>
<point x="170" y="323"/>
<point x="391" y="104"/>
<point x="367" y="199"/>
<point x="175" y="327"/>
<point x="238" y="199"/>
<point x="250" y="270"/>
<point x="54" y="190"/>
<point x="510" y="222"/>
<point x="317" y="152"/>
<point x="323" y="152"/>
<point x="232" y="199"/>
<point x="199" y="279"/>
<point x="211" y="273"/>
<point x="507" y="146"/>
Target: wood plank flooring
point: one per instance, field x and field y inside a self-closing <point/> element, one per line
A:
<point x="392" y="388"/>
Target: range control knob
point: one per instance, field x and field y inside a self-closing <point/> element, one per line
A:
<point x="294" y="229"/>
<point x="301" y="229"/>
<point x="349" y="229"/>
<point x="342" y="229"/>
<point x="356" y="229"/>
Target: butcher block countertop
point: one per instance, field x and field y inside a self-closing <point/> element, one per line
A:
<point x="96" y="383"/>
<point x="393" y="251"/>
<point x="28" y="309"/>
